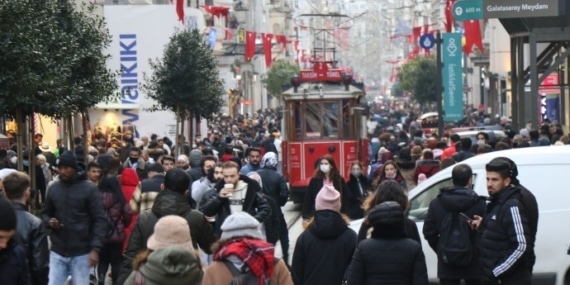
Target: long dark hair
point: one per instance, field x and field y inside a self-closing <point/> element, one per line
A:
<point x="382" y="177"/>
<point x="334" y="173"/>
<point x="111" y="184"/>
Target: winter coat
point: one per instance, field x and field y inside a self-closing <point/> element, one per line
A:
<point x="77" y="205"/>
<point x="218" y="273"/>
<point x="13" y="266"/>
<point x="323" y="251"/>
<point x="120" y="215"/>
<point x="167" y="203"/>
<point x="461" y="200"/>
<point x="274" y="185"/>
<point x="315" y="185"/>
<point x="144" y="196"/>
<point x="170" y="265"/>
<point x="388" y="258"/>
<point x="355" y="195"/>
<point x="130" y="184"/>
<point x="410" y="228"/>
<point x="255" y="203"/>
<point x="32" y="237"/>
<point x="505" y="236"/>
<point x="140" y="170"/>
<point x="408" y="170"/>
<point x="199" y="187"/>
<point x="428" y="167"/>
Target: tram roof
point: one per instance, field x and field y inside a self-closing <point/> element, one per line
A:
<point x="322" y="91"/>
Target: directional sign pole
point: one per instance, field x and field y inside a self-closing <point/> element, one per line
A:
<point x="439" y="85"/>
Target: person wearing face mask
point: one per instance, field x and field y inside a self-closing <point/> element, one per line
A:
<point x="326" y="174"/>
<point x="389" y="171"/>
<point x="358" y="188"/>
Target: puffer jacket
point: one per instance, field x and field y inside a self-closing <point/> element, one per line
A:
<point x="505" y="241"/>
<point x="77" y="205"/>
<point x="32" y="237"/>
<point x="168" y="202"/>
<point x="255" y="203"/>
<point x="323" y="252"/>
<point x="274" y="185"/>
<point x="121" y="217"/>
<point x="388" y="258"/>
<point x="170" y="265"/>
<point x="458" y="200"/>
<point x="130" y="183"/>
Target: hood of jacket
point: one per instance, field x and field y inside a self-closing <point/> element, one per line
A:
<point x="458" y="198"/>
<point x="195" y="158"/>
<point x="129" y="177"/>
<point x="328" y="224"/>
<point x="172" y="265"/>
<point x="405" y="164"/>
<point x="168" y="202"/>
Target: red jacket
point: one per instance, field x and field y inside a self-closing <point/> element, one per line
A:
<point x="129" y="183"/>
<point x="448" y="152"/>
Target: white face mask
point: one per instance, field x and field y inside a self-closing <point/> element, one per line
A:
<point x="356" y="173"/>
<point x="325" y="168"/>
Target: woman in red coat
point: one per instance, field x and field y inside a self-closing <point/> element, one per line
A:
<point x="129" y="183"/>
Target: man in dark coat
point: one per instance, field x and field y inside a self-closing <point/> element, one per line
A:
<point x="275" y="186"/>
<point x="506" y="239"/>
<point x="170" y="201"/>
<point x="30" y="231"/>
<point x="244" y="195"/>
<point x="13" y="264"/>
<point x="457" y="199"/>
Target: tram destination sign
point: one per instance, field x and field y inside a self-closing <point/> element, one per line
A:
<point x="502" y="9"/>
<point x="320" y="72"/>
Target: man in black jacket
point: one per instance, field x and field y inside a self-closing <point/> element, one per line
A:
<point x="505" y="241"/>
<point x="457" y="199"/>
<point x="13" y="264"/>
<point x="170" y="201"/>
<point x="30" y="231"/>
<point x="275" y="186"/>
<point x="74" y="213"/>
<point x="243" y="195"/>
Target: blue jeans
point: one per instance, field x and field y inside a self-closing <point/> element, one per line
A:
<point x="61" y="267"/>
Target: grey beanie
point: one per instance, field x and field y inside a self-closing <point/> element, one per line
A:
<point x="241" y="224"/>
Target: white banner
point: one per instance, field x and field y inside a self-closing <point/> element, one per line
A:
<point x="140" y="33"/>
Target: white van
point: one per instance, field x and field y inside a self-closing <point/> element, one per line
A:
<point x="543" y="171"/>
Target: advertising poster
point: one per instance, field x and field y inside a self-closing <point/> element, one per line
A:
<point x="452" y="77"/>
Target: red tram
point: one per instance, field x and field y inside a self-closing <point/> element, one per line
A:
<point x="322" y="115"/>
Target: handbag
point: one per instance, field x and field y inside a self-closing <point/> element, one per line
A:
<point x="139" y="278"/>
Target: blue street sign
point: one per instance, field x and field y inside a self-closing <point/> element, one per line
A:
<point x="427" y="41"/>
<point x="452" y="56"/>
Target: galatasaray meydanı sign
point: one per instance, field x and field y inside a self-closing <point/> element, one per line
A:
<point x="521" y="8"/>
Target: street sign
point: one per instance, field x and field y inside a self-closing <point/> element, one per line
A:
<point x="464" y="10"/>
<point x="503" y="9"/>
<point x="452" y="77"/>
<point x="427" y="41"/>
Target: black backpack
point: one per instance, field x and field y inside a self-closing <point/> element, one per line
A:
<point x="245" y="277"/>
<point x="455" y="245"/>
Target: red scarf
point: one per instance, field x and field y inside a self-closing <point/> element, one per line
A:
<point x="256" y="254"/>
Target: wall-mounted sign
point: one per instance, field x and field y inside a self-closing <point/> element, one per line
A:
<point x="521" y="8"/>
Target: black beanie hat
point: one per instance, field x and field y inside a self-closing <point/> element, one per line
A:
<point x="67" y="159"/>
<point x="8" y="214"/>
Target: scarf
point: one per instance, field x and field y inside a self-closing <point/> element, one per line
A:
<point x="256" y="254"/>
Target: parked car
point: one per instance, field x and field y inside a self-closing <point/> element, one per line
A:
<point x="542" y="170"/>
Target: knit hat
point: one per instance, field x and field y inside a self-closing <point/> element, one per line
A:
<point x="8" y="214"/>
<point x="386" y="213"/>
<point x="269" y="160"/>
<point x="170" y="230"/>
<point x="241" y="224"/>
<point x="67" y="159"/>
<point x="328" y="199"/>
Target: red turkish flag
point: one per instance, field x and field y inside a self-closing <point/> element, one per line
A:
<point x="249" y="45"/>
<point x="267" y="48"/>
<point x="472" y="36"/>
<point x="416" y="34"/>
<point x="282" y="39"/>
<point x="180" y="10"/>
<point x="449" y="15"/>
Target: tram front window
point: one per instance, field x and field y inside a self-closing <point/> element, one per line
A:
<point x="330" y="123"/>
<point x="313" y="120"/>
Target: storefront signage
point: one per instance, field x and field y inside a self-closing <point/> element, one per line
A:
<point x="521" y="8"/>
